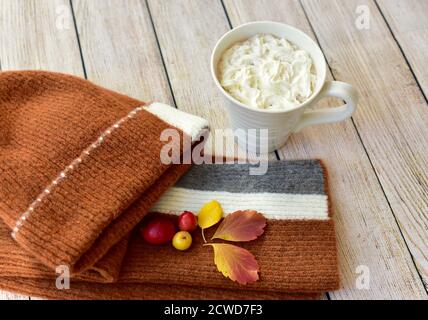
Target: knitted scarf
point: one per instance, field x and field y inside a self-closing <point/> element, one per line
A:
<point x="80" y="169"/>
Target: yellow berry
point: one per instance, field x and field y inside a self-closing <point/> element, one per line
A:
<point x="182" y="240"/>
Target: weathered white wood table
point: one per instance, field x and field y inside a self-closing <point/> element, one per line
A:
<point x="377" y="161"/>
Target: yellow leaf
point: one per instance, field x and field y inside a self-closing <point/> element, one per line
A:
<point x="210" y="214"/>
<point x="235" y="262"/>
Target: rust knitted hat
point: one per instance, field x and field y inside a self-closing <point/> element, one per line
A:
<point x="73" y="157"/>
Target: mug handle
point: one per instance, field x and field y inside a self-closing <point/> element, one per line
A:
<point x="337" y="89"/>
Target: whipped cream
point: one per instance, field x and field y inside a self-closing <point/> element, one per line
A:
<point x="267" y="72"/>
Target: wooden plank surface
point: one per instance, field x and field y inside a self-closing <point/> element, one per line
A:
<point x="187" y="33"/>
<point x="408" y="21"/>
<point x="119" y="48"/>
<point x="37" y="35"/>
<point x="359" y="204"/>
<point x="392" y="116"/>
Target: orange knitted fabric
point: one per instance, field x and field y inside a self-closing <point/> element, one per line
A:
<point x="74" y="156"/>
<point x="80" y="168"/>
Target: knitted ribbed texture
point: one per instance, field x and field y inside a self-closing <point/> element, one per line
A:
<point x="73" y="157"/>
<point x="87" y="212"/>
<point x="297" y="260"/>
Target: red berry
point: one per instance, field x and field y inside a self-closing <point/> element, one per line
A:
<point x="158" y="230"/>
<point x="187" y="221"/>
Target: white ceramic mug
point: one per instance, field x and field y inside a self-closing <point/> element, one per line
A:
<point x="281" y="124"/>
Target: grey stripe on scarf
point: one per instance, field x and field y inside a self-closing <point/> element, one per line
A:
<point x="292" y="177"/>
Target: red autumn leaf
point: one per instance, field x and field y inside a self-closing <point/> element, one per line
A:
<point x="243" y="225"/>
<point x="235" y="262"/>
